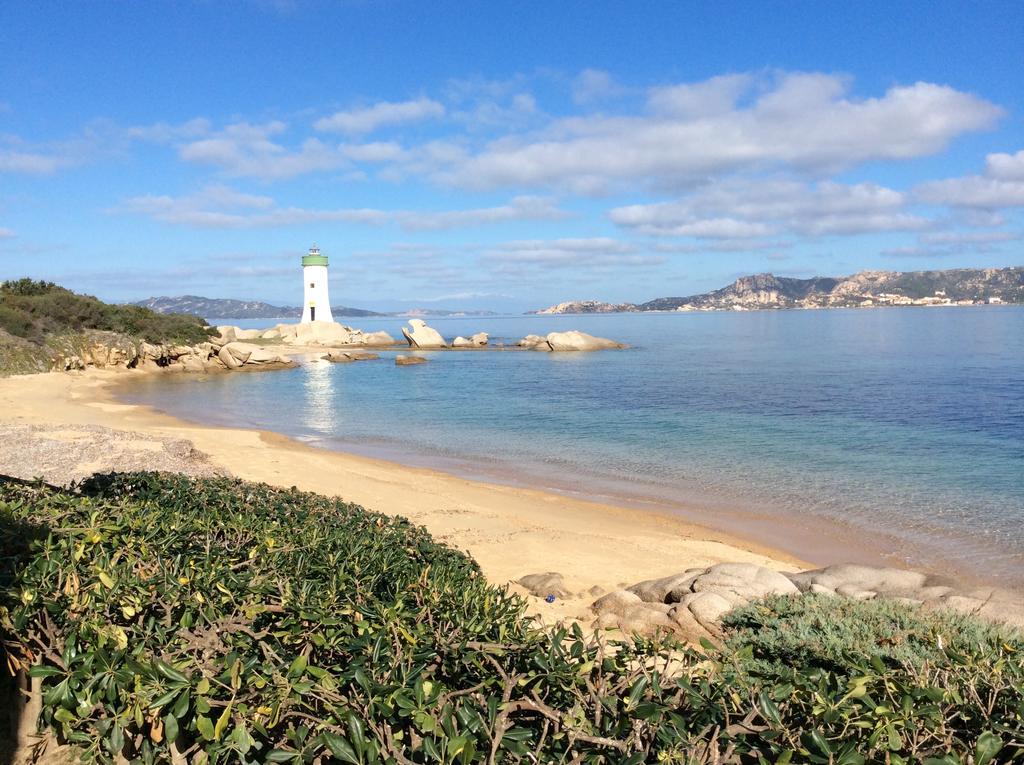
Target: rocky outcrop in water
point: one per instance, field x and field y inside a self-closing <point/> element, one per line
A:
<point x="408" y="361"/>
<point x="419" y="335"/>
<point x="479" y="340"/>
<point x="573" y="340"/>
<point x="316" y="333"/>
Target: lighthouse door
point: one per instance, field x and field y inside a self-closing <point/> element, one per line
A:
<point x="312" y="313"/>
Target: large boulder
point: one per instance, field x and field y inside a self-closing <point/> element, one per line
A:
<point x="574" y="340"/>
<point x="543" y="585"/>
<point x="227" y="334"/>
<point x="419" y="335"/>
<point x="377" y="339"/>
<point x="240" y="351"/>
<point x="322" y="333"/>
<point x="861" y="582"/>
<point x="739" y="583"/>
<point x="657" y="590"/>
<point x="193" y="364"/>
<point x="228" y="359"/>
<point x="476" y="341"/>
<point x="534" y="343"/>
<point x="248" y="334"/>
<point x="238" y="355"/>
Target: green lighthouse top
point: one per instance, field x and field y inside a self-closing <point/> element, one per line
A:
<point x="314" y="258"/>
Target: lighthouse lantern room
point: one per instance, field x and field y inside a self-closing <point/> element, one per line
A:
<point x="316" y="305"/>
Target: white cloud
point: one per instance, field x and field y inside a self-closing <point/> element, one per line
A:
<point x="1001" y="186"/>
<point x="19" y="156"/>
<point x="223" y="207"/>
<point x="699" y="100"/>
<point x="796" y="120"/>
<point x="946" y="243"/>
<point x="246" y="150"/>
<point x="376" y="151"/>
<point x="969" y="237"/>
<point x="384" y="113"/>
<point x="737" y="209"/>
<point x="578" y="253"/>
<point x="593" y="85"/>
<point x="163" y="132"/>
<point x="1006" y="167"/>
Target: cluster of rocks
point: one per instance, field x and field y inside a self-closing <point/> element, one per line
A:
<point x="419" y="335"/>
<point x="573" y="340"/>
<point x="691" y="604"/>
<point x="324" y="333"/>
<point x="479" y="340"/>
<point x="236" y="355"/>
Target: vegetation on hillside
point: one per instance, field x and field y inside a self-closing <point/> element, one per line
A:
<point x="214" y="620"/>
<point x="35" y="310"/>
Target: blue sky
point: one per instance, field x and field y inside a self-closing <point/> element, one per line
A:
<point x="504" y="155"/>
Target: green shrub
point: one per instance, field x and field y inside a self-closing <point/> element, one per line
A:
<point x="15" y="321"/>
<point x="831" y="633"/>
<point x="232" y="622"/>
<point x="34" y="309"/>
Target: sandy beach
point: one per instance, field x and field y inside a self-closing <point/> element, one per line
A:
<point x="510" y="531"/>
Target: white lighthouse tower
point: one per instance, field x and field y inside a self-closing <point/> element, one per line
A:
<point x="316" y="305"/>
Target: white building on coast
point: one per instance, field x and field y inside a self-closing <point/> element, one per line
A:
<point x="316" y="303"/>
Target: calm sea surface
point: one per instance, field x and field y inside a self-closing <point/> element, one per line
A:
<point x="893" y="434"/>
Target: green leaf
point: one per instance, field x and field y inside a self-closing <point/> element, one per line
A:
<point x="768" y="709"/>
<point x="169" y="672"/>
<point x="170" y="728"/>
<point x="43" y="671"/>
<point x="339" y="747"/>
<point x="280" y="755"/>
<point x="164" y="699"/>
<point x="636" y="692"/>
<point x="987" y="748"/>
<point x="205" y="727"/>
<point x="298" y="666"/>
<point x="181" y="705"/>
<point x="64" y="715"/>
<point x="222" y="722"/>
<point x="816" y="742"/>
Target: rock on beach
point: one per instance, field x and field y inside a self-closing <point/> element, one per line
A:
<point x="691" y="604"/>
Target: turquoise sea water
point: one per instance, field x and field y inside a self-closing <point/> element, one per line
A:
<point x="841" y="434"/>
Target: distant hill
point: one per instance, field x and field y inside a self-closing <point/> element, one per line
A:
<point x="960" y="286"/>
<point x="222" y="308"/>
<point x="412" y="313"/>
<point x="588" y="306"/>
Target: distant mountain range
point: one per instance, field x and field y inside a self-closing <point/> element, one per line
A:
<point x="961" y="286"/>
<point x="222" y="308"/>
